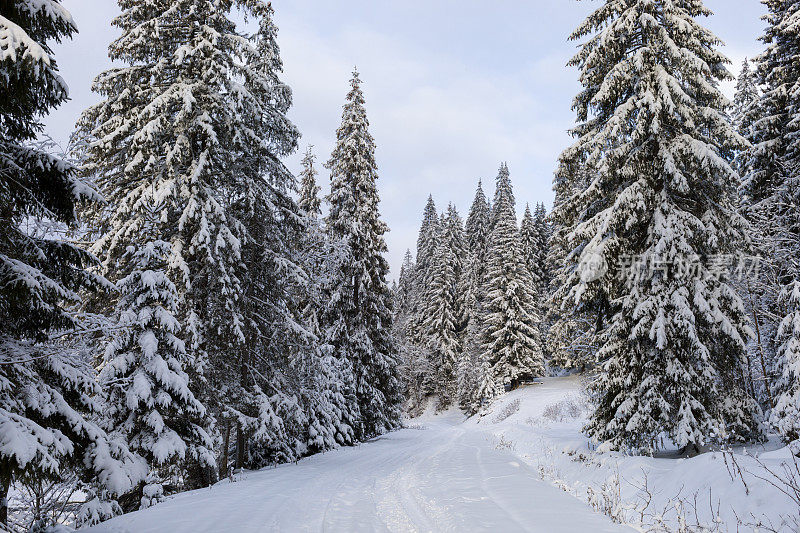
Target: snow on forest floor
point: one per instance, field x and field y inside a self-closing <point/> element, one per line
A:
<point x="439" y="474"/>
<point x="713" y="491"/>
<point x="524" y="466"/>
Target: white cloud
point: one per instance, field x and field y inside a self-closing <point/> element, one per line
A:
<point x="453" y="87"/>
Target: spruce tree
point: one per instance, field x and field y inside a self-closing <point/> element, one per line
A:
<point x="323" y="379"/>
<point x="745" y="99"/>
<point x="419" y="372"/>
<point x="502" y="186"/>
<point x="426" y="247"/>
<point x="414" y="366"/>
<point x="196" y="122"/>
<point x="785" y="414"/>
<point x="48" y="389"/>
<point x="529" y="241"/>
<point x="443" y="309"/>
<point x="309" y="201"/>
<point x="772" y="203"/>
<point x="472" y="287"/>
<point x="269" y="395"/>
<point x="543" y="236"/>
<point x="358" y="316"/>
<point x="404" y="293"/>
<point x="146" y="397"/>
<point x="744" y="111"/>
<point x="512" y="341"/>
<point x="573" y="332"/>
<point x="476" y="234"/>
<point x="426" y="242"/>
<point x="652" y="122"/>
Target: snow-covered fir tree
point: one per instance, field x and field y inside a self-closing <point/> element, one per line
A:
<point x="652" y="122"/>
<point x="271" y="417"/>
<point x="414" y="367"/>
<point x="475" y="379"/>
<point x="743" y="112"/>
<point x="418" y="373"/>
<point x="476" y="235"/>
<point x="404" y="293"/>
<point x="428" y="232"/>
<point x="358" y="317"/>
<point x="745" y="100"/>
<point x="472" y="287"/>
<point x="502" y="186"/>
<point x="572" y="336"/>
<point x="442" y="310"/>
<point x="146" y="396"/>
<point x="427" y="242"/>
<point x="764" y="170"/>
<point x="511" y="338"/>
<point x="324" y="377"/>
<point x="543" y="235"/>
<point x="772" y="204"/>
<point x="196" y="121"/>
<point x="309" y="201"/>
<point x="785" y="414"/>
<point x="47" y="389"/>
<point x="529" y="242"/>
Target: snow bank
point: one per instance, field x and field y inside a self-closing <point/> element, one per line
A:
<point x="713" y="491"/>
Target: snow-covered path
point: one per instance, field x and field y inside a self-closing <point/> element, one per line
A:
<point x="443" y="477"/>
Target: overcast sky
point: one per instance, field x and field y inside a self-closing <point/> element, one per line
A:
<point x="453" y="87"/>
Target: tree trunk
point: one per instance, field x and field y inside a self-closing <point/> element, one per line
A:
<point x="5" y="485"/>
<point x="226" y="442"/>
<point x="757" y="324"/>
<point x="239" y="447"/>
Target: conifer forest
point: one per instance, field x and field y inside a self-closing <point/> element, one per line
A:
<point x="202" y="327"/>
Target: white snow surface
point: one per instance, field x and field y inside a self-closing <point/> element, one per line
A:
<point x="522" y="466"/>
<point x="439" y="474"/>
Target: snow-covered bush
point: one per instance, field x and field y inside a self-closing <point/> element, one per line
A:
<point x="570" y="408"/>
<point x="509" y="409"/>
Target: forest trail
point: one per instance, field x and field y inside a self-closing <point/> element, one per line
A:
<point x="442" y="476"/>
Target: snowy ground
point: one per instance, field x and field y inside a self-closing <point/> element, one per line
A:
<point x="440" y="476"/>
<point x="710" y="492"/>
<point x="524" y="466"/>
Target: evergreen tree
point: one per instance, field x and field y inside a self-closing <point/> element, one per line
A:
<point x="266" y="394"/>
<point x="358" y="317"/>
<point x="427" y="242"/>
<point x="419" y="372"/>
<point x="472" y="287"/>
<point x="443" y="310"/>
<point x="309" y="190"/>
<point x="652" y="123"/>
<point x="529" y="241"/>
<point x="477" y="243"/>
<point x="414" y="366"/>
<point x="323" y="379"/>
<point x="772" y="203"/>
<point x="744" y="112"/>
<point x="196" y="122"/>
<point x="745" y="100"/>
<point x="502" y="186"/>
<point x="147" y="400"/>
<point x="572" y="337"/>
<point x="786" y="389"/>
<point x="404" y="292"/>
<point x="476" y="383"/>
<point x="511" y="338"/>
<point x="543" y="235"/>
<point x="47" y="389"/>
